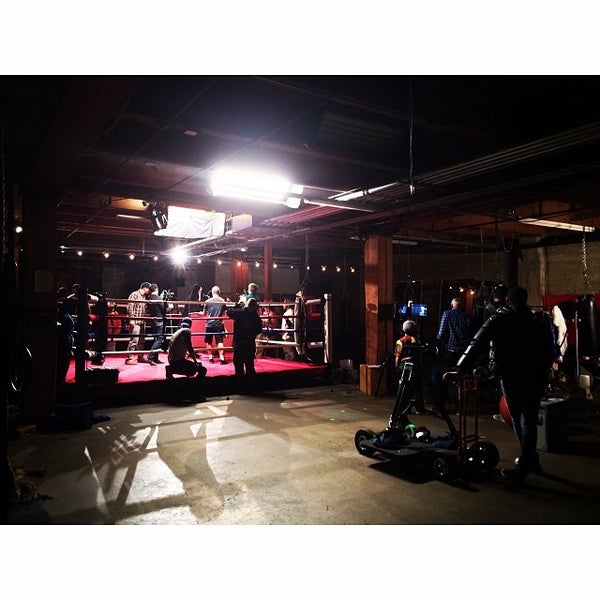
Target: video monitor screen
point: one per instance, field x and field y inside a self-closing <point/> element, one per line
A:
<point x="412" y="310"/>
<point x="418" y="310"/>
<point x="401" y="310"/>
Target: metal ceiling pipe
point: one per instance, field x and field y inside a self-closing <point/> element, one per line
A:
<point x="541" y="147"/>
<point x="567" y="139"/>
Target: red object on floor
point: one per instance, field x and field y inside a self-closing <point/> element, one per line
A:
<point x="504" y="411"/>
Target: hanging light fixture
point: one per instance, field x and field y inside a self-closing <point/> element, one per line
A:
<point x="556" y="224"/>
<point x="256" y="185"/>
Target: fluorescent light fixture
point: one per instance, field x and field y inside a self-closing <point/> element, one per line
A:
<point x="556" y="224"/>
<point x="349" y="196"/>
<point x="343" y="205"/>
<point x="254" y="185"/>
<point x="124" y="216"/>
<point x="344" y="197"/>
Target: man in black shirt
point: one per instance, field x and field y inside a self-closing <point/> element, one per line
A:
<point x="521" y="351"/>
<point x="157" y="309"/>
<point x="246" y="326"/>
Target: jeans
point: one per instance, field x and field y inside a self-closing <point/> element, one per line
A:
<point x="523" y="398"/>
<point x="243" y="362"/>
<point x="136" y="342"/>
<point x="440" y="387"/>
<point x="159" y="338"/>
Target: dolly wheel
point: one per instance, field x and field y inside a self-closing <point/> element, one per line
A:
<point x="360" y="437"/>
<point x="444" y="466"/>
<point x="482" y="455"/>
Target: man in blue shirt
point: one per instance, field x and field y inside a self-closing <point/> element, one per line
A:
<point x="454" y="333"/>
<point x="453" y="337"/>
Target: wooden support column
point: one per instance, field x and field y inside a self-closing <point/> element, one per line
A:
<point x="239" y="278"/>
<point x="268" y="260"/>
<point x="379" y="316"/>
<point x="38" y="268"/>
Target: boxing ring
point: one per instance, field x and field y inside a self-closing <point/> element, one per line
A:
<point x="102" y="335"/>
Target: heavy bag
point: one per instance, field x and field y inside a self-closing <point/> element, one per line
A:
<point x="588" y="321"/>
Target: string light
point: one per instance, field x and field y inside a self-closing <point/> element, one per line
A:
<point x="239" y="262"/>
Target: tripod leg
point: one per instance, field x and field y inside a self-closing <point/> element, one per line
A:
<point x="402" y="405"/>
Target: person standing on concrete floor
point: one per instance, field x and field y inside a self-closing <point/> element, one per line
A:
<point x="453" y="333"/>
<point x="136" y="313"/>
<point x="246" y="326"/>
<point x="521" y="351"/>
<point x="453" y="337"/>
<point x="409" y="350"/>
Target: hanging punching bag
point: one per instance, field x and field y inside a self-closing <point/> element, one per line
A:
<point x="503" y="408"/>
<point x="588" y="320"/>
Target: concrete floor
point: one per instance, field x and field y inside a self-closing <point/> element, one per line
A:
<point x="288" y="458"/>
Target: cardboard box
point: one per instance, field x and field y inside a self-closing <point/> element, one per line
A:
<point x="553" y="425"/>
<point x="372" y="380"/>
